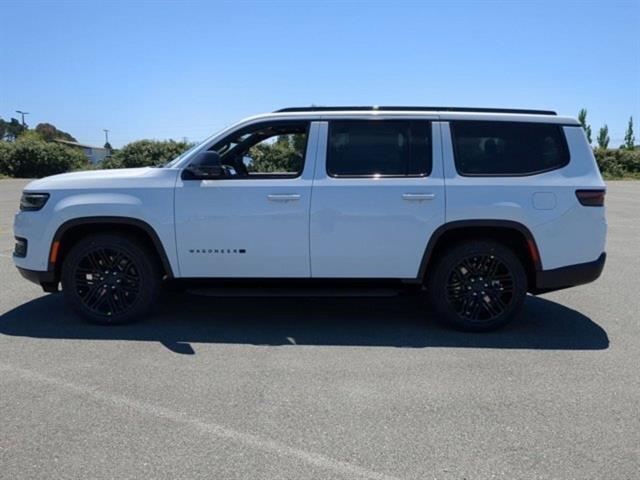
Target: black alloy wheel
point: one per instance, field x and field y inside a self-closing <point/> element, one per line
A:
<point x="107" y="281"/>
<point x="480" y="288"/>
<point x="477" y="285"/>
<point x="111" y="279"/>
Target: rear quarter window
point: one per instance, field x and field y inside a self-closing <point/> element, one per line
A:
<point x="508" y="148"/>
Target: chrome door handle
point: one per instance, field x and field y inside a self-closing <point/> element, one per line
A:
<point x="283" y="197"/>
<point x="418" y="196"/>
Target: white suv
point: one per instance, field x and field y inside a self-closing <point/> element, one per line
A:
<point x="473" y="207"/>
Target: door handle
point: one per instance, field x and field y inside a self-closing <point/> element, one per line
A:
<point x="418" y="196"/>
<point x="283" y="197"/>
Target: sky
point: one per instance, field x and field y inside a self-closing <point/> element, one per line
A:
<point x="159" y="69"/>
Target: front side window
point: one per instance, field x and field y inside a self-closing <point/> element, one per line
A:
<point x="379" y="148"/>
<point x="508" y="148"/>
<point x="270" y="150"/>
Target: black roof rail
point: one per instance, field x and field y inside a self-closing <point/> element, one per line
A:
<point x="417" y="109"/>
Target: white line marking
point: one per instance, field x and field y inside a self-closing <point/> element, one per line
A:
<point x="225" y="433"/>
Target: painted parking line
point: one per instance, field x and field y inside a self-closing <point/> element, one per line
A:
<point x="257" y="442"/>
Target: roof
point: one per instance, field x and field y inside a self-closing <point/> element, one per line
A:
<point x="76" y="144"/>
<point x="416" y="109"/>
<point x="432" y="113"/>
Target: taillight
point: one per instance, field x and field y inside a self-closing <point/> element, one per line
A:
<point x="591" y="198"/>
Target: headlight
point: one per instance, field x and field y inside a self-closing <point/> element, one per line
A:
<point x="30" y="202"/>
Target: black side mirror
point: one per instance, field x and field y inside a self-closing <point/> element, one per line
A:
<point x="207" y="166"/>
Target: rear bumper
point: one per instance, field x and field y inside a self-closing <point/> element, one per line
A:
<point x="570" y="276"/>
<point x="45" y="279"/>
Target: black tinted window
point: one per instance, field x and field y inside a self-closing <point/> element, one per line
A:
<point x="508" y="148"/>
<point x="379" y="147"/>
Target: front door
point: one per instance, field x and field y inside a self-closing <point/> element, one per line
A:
<point x="378" y="196"/>
<point x="254" y="220"/>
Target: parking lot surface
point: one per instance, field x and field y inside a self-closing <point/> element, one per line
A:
<point x="293" y="388"/>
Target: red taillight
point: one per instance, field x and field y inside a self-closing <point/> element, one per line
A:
<point x="591" y="198"/>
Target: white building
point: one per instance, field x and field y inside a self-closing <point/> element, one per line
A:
<point x="93" y="153"/>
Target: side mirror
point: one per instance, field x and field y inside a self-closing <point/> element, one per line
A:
<point x="207" y="166"/>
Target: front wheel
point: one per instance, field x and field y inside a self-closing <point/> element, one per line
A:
<point x="110" y="279"/>
<point x="477" y="285"/>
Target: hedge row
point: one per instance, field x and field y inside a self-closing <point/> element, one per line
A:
<point x="30" y="158"/>
<point x="618" y="163"/>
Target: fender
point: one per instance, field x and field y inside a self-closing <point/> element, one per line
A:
<point x="460" y="224"/>
<point x="148" y="229"/>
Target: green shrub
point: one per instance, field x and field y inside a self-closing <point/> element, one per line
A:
<point x="618" y="163"/>
<point x="31" y="158"/>
<point x="146" y="153"/>
<point x="5" y="158"/>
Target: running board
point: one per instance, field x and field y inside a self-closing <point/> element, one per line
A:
<point x="295" y="292"/>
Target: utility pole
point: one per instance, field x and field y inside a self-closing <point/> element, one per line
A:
<point x="23" y="114"/>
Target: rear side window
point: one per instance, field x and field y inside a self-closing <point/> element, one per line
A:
<point x="379" y="148"/>
<point x="508" y="148"/>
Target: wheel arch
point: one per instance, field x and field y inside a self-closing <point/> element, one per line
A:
<point x="513" y="234"/>
<point x="72" y="230"/>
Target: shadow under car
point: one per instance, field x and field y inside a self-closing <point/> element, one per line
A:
<point x="380" y="322"/>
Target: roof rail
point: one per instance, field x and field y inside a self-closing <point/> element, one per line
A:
<point x="417" y="109"/>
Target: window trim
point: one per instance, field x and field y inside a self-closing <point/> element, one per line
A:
<point x="257" y="126"/>
<point x="429" y="123"/>
<point x="563" y="145"/>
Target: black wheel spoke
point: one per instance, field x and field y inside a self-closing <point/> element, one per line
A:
<point x="480" y="287"/>
<point x="107" y="281"/>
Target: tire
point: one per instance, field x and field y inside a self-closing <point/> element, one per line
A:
<point x="477" y="285"/>
<point x="110" y="279"/>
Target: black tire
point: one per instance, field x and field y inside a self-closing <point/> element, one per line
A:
<point x="110" y="279"/>
<point x="477" y="285"/>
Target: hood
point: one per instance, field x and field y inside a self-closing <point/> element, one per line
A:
<point x="116" y="178"/>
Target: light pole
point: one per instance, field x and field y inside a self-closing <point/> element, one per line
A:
<point x="107" y="145"/>
<point x="23" y="114"/>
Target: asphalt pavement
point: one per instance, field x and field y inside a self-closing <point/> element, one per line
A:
<point x="296" y="388"/>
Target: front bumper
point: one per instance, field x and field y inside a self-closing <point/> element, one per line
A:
<point x="570" y="276"/>
<point x="47" y="280"/>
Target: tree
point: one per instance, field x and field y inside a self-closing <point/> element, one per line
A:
<point x="283" y="155"/>
<point x="146" y="153"/>
<point x="629" y="139"/>
<point x="11" y="130"/>
<point x="603" y="137"/>
<point x="30" y="157"/>
<point x="582" y="118"/>
<point x="49" y="133"/>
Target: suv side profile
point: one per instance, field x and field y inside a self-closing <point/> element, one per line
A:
<point x="472" y="207"/>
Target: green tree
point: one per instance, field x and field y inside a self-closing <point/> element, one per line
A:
<point x="146" y="153"/>
<point x="629" y="139"/>
<point x="50" y="133"/>
<point x="283" y="155"/>
<point x="13" y="129"/>
<point x="30" y="157"/>
<point x="582" y="118"/>
<point x="603" y="137"/>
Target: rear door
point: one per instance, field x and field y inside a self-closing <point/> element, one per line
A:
<point x="378" y="196"/>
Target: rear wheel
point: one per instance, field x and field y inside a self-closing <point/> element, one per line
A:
<point x="477" y="285"/>
<point x="110" y="279"/>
